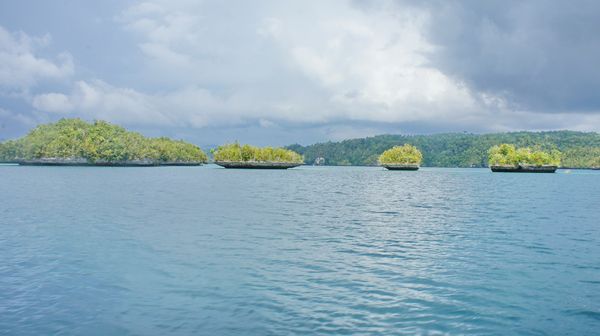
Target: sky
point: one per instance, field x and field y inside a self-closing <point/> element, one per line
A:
<point x="280" y="72"/>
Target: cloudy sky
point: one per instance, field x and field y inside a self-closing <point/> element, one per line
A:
<point x="280" y="72"/>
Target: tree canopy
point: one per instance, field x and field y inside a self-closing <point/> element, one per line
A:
<point x="581" y="157"/>
<point x="406" y="154"/>
<point x="246" y="153"/>
<point x="97" y="141"/>
<point x="509" y="155"/>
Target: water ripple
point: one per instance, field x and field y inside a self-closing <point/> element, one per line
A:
<point x="204" y="250"/>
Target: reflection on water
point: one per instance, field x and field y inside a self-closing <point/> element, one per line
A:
<point x="184" y="250"/>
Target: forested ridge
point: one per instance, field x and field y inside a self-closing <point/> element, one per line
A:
<point x="579" y="149"/>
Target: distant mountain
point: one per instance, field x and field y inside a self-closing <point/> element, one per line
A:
<point x="580" y="149"/>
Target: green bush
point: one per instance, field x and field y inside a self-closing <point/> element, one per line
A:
<point x="406" y="154"/>
<point x="246" y="153"/>
<point x="509" y="155"/>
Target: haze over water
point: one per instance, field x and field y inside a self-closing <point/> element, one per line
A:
<point x="323" y="250"/>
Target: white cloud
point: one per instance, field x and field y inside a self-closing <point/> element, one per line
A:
<point x="21" y="68"/>
<point x="296" y="63"/>
<point x="264" y="123"/>
<point x="12" y="117"/>
<point x="374" y="65"/>
<point x="99" y="100"/>
<point x="52" y="102"/>
<point x="186" y="107"/>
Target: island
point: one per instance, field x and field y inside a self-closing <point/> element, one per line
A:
<point x="75" y="142"/>
<point x="251" y="157"/>
<point x="406" y="157"/>
<point x="506" y="158"/>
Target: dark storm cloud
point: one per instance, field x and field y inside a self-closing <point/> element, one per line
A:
<point x="539" y="55"/>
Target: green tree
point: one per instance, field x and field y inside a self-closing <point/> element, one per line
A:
<point x="406" y="154"/>
<point x="246" y="153"/>
<point x="509" y="155"/>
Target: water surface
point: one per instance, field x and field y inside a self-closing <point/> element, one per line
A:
<point x="312" y="250"/>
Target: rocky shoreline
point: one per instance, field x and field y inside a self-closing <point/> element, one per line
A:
<point x="80" y="162"/>
<point x="523" y="169"/>
<point x="257" y="165"/>
<point x="401" y="166"/>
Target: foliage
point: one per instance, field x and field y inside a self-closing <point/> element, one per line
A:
<point x="176" y="151"/>
<point x="509" y="155"/>
<point x="406" y="154"/>
<point x="98" y="141"/>
<point x="8" y="151"/>
<point x="581" y="157"/>
<point x="237" y="152"/>
<point x="579" y="149"/>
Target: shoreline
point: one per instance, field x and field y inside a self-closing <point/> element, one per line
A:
<point x="195" y="164"/>
<point x="256" y="165"/>
<point x="401" y="166"/>
<point x="101" y="163"/>
<point x="524" y="169"/>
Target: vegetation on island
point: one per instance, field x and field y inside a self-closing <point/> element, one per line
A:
<point x="246" y="153"/>
<point x="588" y="157"/>
<point x="406" y="154"/>
<point x="99" y="141"/>
<point x="580" y="149"/>
<point x="509" y="155"/>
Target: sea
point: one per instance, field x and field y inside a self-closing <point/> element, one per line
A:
<point x="305" y="251"/>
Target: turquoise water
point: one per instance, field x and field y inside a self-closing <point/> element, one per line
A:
<point x="313" y="250"/>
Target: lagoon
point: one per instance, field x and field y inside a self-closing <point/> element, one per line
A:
<point x="311" y="250"/>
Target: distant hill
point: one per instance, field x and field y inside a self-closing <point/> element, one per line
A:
<point x="580" y="149"/>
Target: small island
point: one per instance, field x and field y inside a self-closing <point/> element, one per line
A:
<point x="75" y="142"/>
<point x="406" y="157"/>
<point x="251" y="157"/>
<point x="506" y="158"/>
